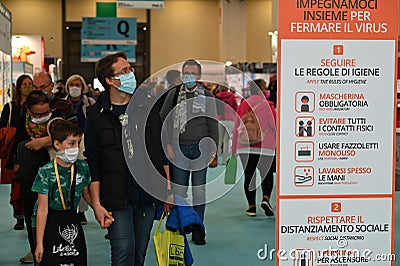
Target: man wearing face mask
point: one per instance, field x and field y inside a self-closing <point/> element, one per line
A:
<point x="59" y="91"/>
<point x="42" y="81"/>
<point x="120" y="203"/>
<point x="193" y="119"/>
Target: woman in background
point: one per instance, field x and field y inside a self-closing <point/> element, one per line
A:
<point x="23" y="87"/>
<point x="226" y="110"/>
<point x="259" y="155"/>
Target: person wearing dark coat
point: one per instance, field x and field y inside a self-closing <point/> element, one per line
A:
<point x="125" y="181"/>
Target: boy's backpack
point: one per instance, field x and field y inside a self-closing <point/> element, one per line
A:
<point x="250" y="132"/>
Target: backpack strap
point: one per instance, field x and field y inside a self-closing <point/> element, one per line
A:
<point x="9" y="115"/>
<point x="253" y="109"/>
<point x="91" y="100"/>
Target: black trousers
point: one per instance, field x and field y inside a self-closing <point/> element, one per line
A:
<point x="265" y="164"/>
<point x="29" y="204"/>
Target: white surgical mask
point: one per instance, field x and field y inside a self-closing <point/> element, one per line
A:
<point x="68" y="155"/>
<point x="75" y="92"/>
<point x="41" y="120"/>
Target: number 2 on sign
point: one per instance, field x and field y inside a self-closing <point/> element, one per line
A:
<point x="336" y="207"/>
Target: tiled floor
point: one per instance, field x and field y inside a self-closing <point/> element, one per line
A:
<point x="232" y="237"/>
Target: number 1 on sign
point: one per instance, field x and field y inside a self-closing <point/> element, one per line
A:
<point x="338" y="50"/>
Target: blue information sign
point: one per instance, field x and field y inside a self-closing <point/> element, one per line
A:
<point x="105" y="35"/>
<point x="103" y="30"/>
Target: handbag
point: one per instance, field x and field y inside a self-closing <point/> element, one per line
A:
<point x="64" y="239"/>
<point x="231" y="170"/>
<point x="169" y="246"/>
<point x="7" y="137"/>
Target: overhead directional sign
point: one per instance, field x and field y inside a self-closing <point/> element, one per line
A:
<point x="103" y="30"/>
<point x="105" y="35"/>
<point x="141" y="4"/>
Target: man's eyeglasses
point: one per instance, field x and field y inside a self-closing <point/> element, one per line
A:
<point x="124" y="71"/>
<point x="190" y="73"/>
<point x="41" y="87"/>
<point x="39" y="115"/>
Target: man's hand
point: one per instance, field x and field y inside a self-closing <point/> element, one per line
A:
<point x="16" y="167"/>
<point x="36" y="144"/>
<point x="169" y="204"/>
<point x="103" y="217"/>
<point x="213" y="160"/>
<point x="170" y="152"/>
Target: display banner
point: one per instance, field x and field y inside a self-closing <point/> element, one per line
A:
<point x="336" y="118"/>
<point x="30" y="49"/>
<point x="5" y="29"/>
<point x="5" y="56"/>
<point x="104" y="35"/>
<point x="141" y="4"/>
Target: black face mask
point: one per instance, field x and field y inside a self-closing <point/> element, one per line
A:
<point x="59" y="89"/>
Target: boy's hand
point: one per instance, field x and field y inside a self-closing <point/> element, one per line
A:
<point x="108" y="221"/>
<point x="39" y="253"/>
<point x="103" y="217"/>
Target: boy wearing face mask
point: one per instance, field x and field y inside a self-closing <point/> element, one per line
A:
<point x="54" y="183"/>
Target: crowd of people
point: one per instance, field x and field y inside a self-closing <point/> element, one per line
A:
<point x="65" y="139"/>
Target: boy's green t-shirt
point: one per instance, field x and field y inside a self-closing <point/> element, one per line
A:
<point x="46" y="183"/>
